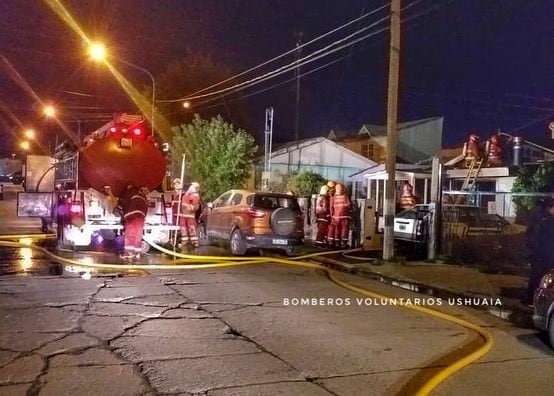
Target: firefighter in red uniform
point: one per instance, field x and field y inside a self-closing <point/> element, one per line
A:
<point x="134" y="207"/>
<point x="471" y="150"/>
<point x="322" y="216"/>
<point x="493" y="150"/>
<point x="331" y="226"/>
<point x="340" y="216"/>
<point x="190" y="204"/>
<point x="175" y="199"/>
<point x="408" y="199"/>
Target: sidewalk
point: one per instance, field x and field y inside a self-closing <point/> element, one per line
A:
<point x="501" y="290"/>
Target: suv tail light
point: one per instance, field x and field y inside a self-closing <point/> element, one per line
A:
<point x="255" y="213"/>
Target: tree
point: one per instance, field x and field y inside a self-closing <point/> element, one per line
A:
<point x="533" y="179"/>
<point x="306" y="183"/>
<point x="217" y="155"/>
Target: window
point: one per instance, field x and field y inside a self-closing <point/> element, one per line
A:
<point x="222" y="200"/>
<point x="236" y="199"/>
<point x="367" y="150"/>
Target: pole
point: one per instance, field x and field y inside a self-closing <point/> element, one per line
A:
<point x="179" y="204"/>
<point x="153" y="89"/>
<point x="436" y="210"/>
<point x="297" y="118"/>
<point x="266" y="175"/>
<point x="392" y="131"/>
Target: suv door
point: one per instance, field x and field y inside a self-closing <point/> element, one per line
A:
<point x="229" y="213"/>
<point x="215" y="225"/>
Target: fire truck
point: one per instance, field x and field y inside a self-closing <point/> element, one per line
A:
<point x="119" y="154"/>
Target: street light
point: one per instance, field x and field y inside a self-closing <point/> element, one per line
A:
<point x="29" y="134"/>
<point x="97" y="52"/>
<point x="49" y="111"/>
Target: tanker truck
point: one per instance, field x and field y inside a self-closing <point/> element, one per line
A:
<point x="118" y="154"/>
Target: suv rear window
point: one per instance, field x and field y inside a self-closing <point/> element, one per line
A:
<point x="272" y="202"/>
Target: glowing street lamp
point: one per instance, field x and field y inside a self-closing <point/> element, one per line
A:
<point x="49" y="111"/>
<point x="25" y="145"/>
<point x="98" y="52"/>
<point x="29" y="134"/>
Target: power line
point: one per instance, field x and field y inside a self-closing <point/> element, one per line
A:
<point x="305" y="60"/>
<point x="283" y="55"/>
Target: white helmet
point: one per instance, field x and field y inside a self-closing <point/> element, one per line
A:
<point x="194" y="186"/>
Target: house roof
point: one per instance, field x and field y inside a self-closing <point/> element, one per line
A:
<point x="378" y="170"/>
<point x="377" y="130"/>
<point x="292" y="146"/>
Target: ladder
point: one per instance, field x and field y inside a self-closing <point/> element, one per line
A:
<point x="469" y="182"/>
<point x="472" y="172"/>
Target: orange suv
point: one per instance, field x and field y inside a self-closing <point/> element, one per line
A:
<point x="248" y="219"/>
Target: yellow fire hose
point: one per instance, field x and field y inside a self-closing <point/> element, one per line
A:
<point x="188" y="261"/>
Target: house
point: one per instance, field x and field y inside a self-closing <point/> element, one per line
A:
<point x="418" y="140"/>
<point x="342" y="155"/>
<point x="319" y="155"/>
<point x="490" y="186"/>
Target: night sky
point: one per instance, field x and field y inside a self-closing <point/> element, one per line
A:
<point x="483" y="65"/>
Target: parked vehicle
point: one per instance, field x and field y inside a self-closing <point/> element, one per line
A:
<point x="411" y="225"/>
<point x="543" y="315"/>
<point x="17" y="178"/>
<point x="248" y="219"/>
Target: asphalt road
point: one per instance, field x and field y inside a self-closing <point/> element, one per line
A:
<point x="240" y="331"/>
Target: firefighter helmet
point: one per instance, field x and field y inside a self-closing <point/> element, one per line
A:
<point x="324" y="190"/>
<point x="175" y="181"/>
<point x="331" y="184"/>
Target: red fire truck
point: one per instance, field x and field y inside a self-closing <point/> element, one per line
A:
<point x="116" y="155"/>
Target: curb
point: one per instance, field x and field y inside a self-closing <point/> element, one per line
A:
<point x="509" y="311"/>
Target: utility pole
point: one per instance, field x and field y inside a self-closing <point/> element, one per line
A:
<point x="297" y="73"/>
<point x="392" y="130"/>
<point x="266" y="174"/>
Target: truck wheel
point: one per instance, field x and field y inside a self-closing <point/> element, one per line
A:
<point x="238" y="247"/>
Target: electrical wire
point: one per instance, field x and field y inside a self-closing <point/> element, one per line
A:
<point x="307" y="59"/>
<point x="284" y="54"/>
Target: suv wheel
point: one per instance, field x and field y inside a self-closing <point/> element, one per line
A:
<point x="203" y="239"/>
<point x="238" y="247"/>
<point x="292" y="250"/>
<point x="283" y="221"/>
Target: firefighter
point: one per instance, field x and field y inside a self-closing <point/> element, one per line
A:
<point x="493" y="151"/>
<point x="322" y="216"/>
<point x="331" y="226"/>
<point x="471" y="150"/>
<point x="408" y="199"/>
<point x="134" y="207"/>
<point x="175" y="199"/>
<point x="190" y="205"/>
<point x="109" y="202"/>
<point x="340" y="216"/>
